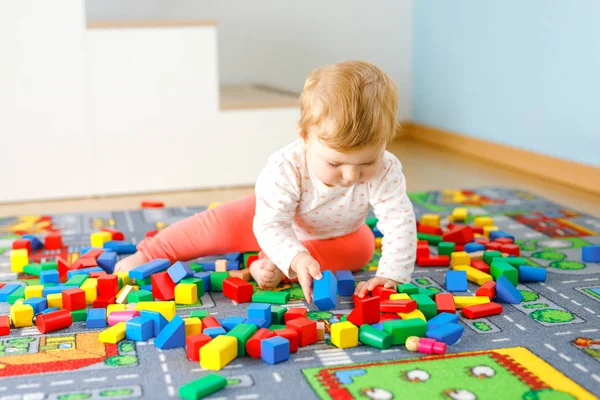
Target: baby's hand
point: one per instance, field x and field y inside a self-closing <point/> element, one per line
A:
<point x="130" y="262"/>
<point x="363" y="287"/>
<point x="306" y="268"/>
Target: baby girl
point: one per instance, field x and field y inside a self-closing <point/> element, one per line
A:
<point x="312" y="198"/>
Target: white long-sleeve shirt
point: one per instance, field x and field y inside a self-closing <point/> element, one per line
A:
<point x="293" y="205"/>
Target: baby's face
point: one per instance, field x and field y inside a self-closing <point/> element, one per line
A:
<point x="335" y="168"/>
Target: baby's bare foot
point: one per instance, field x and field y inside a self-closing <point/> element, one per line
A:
<point x="265" y="273"/>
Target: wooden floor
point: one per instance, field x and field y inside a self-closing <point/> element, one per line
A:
<point x="425" y="168"/>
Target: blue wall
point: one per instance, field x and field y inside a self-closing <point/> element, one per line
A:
<point x="522" y="73"/>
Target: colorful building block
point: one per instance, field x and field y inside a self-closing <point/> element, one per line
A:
<point x="442" y="319"/>
<point x="431" y="220"/>
<point x="253" y="348"/>
<point x="344" y="334"/>
<point x="186" y="293"/>
<point x="371" y="336"/>
<point x="320" y="330"/>
<point x="107" y="261"/>
<point x="19" y="258"/>
<point x="73" y="299"/>
<point x="179" y="271"/>
<point x="271" y="297"/>
<point x="398" y="305"/>
<point x="139" y="329"/>
<point x="7" y="290"/>
<point x="96" y="318"/>
<point x="120" y="247"/>
<point x="590" y="253"/>
<point x="366" y="311"/>
<point x="115" y="317"/>
<point x="448" y="333"/>
<point x="107" y="285"/>
<point x="467" y="301"/>
<point x="278" y="315"/>
<point x="163" y="287"/>
<point x="345" y="283"/>
<point x="407" y="288"/>
<point x="488" y="290"/>
<point x="158" y="320"/>
<point x="166" y="308"/>
<point x="218" y="352"/>
<point x="203" y="387"/>
<point x="97" y="239"/>
<point x="506" y="292"/>
<point x="410" y="315"/>
<point x="193" y="344"/>
<point x="21" y="315"/>
<point x="231" y="322"/>
<point x="214" y="332"/>
<point x="474" y="275"/>
<point x="48" y="277"/>
<point x="531" y="274"/>
<point x="459" y="235"/>
<point x="400" y="330"/>
<point x="53" y="241"/>
<point x="325" y="290"/>
<point x="172" y="335"/>
<point x="474" y="247"/>
<point x="4" y="325"/>
<point x="445" y="248"/>
<point x="456" y="281"/>
<point x="193" y="326"/>
<point x="498" y="268"/>
<point x="115" y="307"/>
<point x="399" y="296"/>
<point x="34" y="291"/>
<point x="482" y="310"/>
<point x="424" y="303"/>
<point x="114" y="334"/>
<point x="306" y="329"/>
<point x="150" y="268"/>
<point x="38" y="304"/>
<point x="238" y="290"/>
<point x="243" y="332"/>
<point x="289" y="334"/>
<point x="54" y="300"/>
<point x="275" y="350"/>
<point x="260" y="311"/>
<point x="445" y="303"/>
<point x="460" y="258"/>
<point x="216" y="281"/>
<point x="295" y="312"/>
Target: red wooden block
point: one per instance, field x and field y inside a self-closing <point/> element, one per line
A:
<point x="108" y="285"/>
<point x="431" y="230"/>
<point x="238" y="290"/>
<point x="366" y="311"/>
<point x="422" y="242"/>
<point x="445" y="303"/>
<point x="53" y="241"/>
<point x="116" y="235"/>
<point x="210" y="322"/>
<point x="423" y="251"/>
<point x="306" y="329"/>
<point x="151" y="233"/>
<point x="293" y="313"/>
<point x="104" y="301"/>
<point x="4" y="325"/>
<point x="388" y="316"/>
<point x="482" y="310"/>
<point x="73" y="299"/>
<point x="53" y="321"/>
<point x="459" y="247"/>
<point x="97" y="274"/>
<point x="253" y="344"/>
<point x="193" y="343"/>
<point x="480" y="265"/>
<point x="2" y="284"/>
<point x="63" y="269"/>
<point x="152" y="204"/>
<point x="250" y="260"/>
<point x="481" y="240"/>
<point x="404" y="306"/>
<point x="290" y="335"/>
<point x="93" y="253"/>
<point x="459" y="235"/>
<point x="477" y="229"/>
<point x="512" y="249"/>
<point x="22" y="244"/>
<point x="493" y="246"/>
<point x="434" y="261"/>
<point x="504" y="240"/>
<point x="488" y="289"/>
<point x="87" y="262"/>
<point x="383" y="293"/>
<point x="163" y="287"/>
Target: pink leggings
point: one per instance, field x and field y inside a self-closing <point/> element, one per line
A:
<point x="228" y="229"/>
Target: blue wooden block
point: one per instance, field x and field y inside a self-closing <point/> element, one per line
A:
<point x="172" y="335"/>
<point x="7" y="289"/>
<point x="96" y="318"/>
<point x="36" y="243"/>
<point x="345" y="283"/>
<point x="275" y="349"/>
<point x="473" y="247"/>
<point x="152" y="267"/>
<point x="233" y="265"/>
<point x="49" y="276"/>
<point x="231" y="322"/>
<point x="260" y="311"/>
<point x="377" y="232"/>
<point x="146" y="287"/>
<point x="500" y="234"/>
<point x="89" y="248"/>
<point x="259" y="322"/>
<point x="442" y="319"/>
<point x="590" y="253"/>
<point x="208" y="265"/>
<point x="83" y="271"/>
<point x="214" y="332"/>
<point x="531" y="274"/>
<point x="179" y="271"/>
<point x="158" y="321"/>
<point x="378" y="325"/>
<point x="54" y="289"/>
<point x="506" y="292"/>
<point x="107" y="261"/>
<point x="447" y="333"/>
<point x="205" y="276"/>
<point x="139" y="329"/>
<point x="49" y="310"/>
<point x="456" y="281"/>
<point x="120" y="247"/>
<point x="239" y="257"/>
<point x="325" y="291"/>
<point x="37" y="303"/>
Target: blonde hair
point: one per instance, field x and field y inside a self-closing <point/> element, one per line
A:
<point x="359" y="97"/>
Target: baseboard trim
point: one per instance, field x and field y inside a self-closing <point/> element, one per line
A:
<point x="569" y="173"/>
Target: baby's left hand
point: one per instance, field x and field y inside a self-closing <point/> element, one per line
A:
<point x="363" y="287"/>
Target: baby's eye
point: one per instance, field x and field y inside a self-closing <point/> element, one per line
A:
<point x="333" y="165"/>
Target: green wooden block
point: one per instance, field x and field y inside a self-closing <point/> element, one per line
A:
<point x="277" y="327"/>
<point x="77" y="280"/>
<point x="144" y="282"/>
<point x="202" y="387"/>
<point x="120" y="283"/>
<point x="277" y="314"/>
<point x="270" y="297"/>
<point x="374" y="337"/>
<point x="246" y="255"/>
<point x="401" y="329"/>
<point x="199" y="314"/>
<point x="408" y="288"/>
<point x="371" y="221"/>
<point x="427" y="292"/>
<point x="425" y="305"/>
<point x="49" y="265"/>
<point x="79" y="315"/>
<point x="33" y="269"/>
<point x="514" y="261"/>
<point x="243" y="332"/>
<point x="50" y="284"/>
<point x="488" y="256"/>
<point x="196" y="281"/>
<point x="196" y="267"/>
<point x="139" y="295"/>
<point x="445" y="248"/>
<point x="433" y="240"/>
<point x="216" y="281"/>
<point x="16" y="295"/>
<point x="343" y="318"/>
<point x="499" y="268"/>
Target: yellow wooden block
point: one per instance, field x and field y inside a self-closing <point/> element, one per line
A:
<point x="431" y="220"/>
<point x="34" y="291"/>
<point x="483" y="221"/>
<point x="114" y="334"/>
<point x="459" y="214"/>
<point x="474" y="275"/>
<point x="125" y="279"/>
<point x="21" y="315"/>
<point x="123" y="293"/>
<point x="320" y="330"/>
<point x="488" y="229"/>
<point x="19" y="302"/>
<point x="466" y="301"/>
<point x="459" y="197"/>
<point x="460" y="258"/>
<point x="413" y="314"/>
<point x="97" y="239"/>
<point x="400" y="296"/>
<point x="186" y="293"/>
<point x="378" y="242"/>
<point x="114" y="307"/>
<point x="19" y="258"/>
<point x="344" y="334"/>
<point x="166" y="308"/>
<point x="193" y="326"/>
<point x="218" y="352"/>
<point x="90" y="287"/>
<point x="54" y="300"/>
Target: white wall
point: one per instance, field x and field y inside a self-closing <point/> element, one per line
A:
<point x="278" y="42"/>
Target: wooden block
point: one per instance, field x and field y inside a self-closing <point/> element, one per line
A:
<point x="482" y="310"/>
<point x="242" y="274"/>
<point x="344" y="335"/>
<point x="466" y="301"/>
<point x="474" y="275"/>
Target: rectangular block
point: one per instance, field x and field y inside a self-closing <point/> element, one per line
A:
<point x="325" y="290"/>
<point x="466" y="301"/>
<point x="218" y="352"/>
